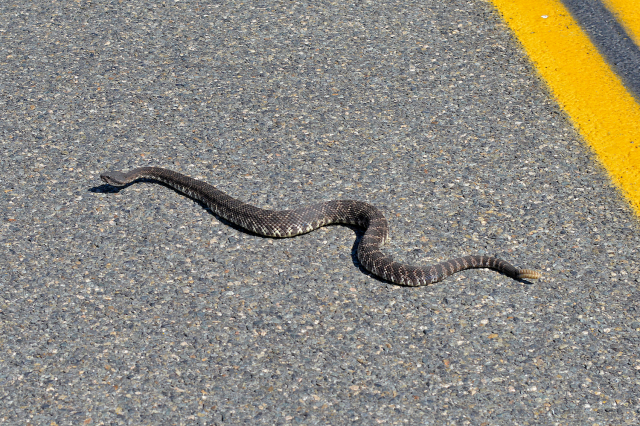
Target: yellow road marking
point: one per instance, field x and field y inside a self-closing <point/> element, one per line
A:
<point x="595" y="99"/>
<point x="627" y="12"/>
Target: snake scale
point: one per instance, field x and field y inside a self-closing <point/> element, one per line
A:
<point x="289" y="223"/>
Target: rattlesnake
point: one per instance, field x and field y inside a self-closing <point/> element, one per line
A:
<point x="289" y="223"/>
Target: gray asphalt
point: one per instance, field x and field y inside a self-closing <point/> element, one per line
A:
<point x="138" y="307"/>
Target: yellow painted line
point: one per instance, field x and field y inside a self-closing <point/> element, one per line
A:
<point x="593" y="96"/>
<point x="627" y="13"/>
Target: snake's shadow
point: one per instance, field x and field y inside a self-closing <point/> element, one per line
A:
<point x="359" y="233"/>
<point x="105" y="189"/>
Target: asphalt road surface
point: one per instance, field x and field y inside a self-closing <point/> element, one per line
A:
<point x="137" y="306"/>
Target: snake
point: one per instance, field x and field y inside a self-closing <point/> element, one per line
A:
<point x="304" y="219"/>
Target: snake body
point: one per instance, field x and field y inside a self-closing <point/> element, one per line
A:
<point x="289" y="223"/>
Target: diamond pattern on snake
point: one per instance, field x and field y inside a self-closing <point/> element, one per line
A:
<point x="289" y="223"/>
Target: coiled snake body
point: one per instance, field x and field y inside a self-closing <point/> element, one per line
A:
<point x="289" y="223"/>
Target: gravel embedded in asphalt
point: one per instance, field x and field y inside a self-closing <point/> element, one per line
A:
<point x="137" y="306"/>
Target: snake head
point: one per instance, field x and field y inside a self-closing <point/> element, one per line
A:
<point x="115" y="178"/>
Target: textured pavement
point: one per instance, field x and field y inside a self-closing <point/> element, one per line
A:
<point x="137" y="306"/>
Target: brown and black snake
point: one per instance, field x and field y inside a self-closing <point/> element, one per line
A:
<point x="289" y="223"/>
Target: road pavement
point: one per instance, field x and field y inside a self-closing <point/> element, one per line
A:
<point x="137" y="306"/>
